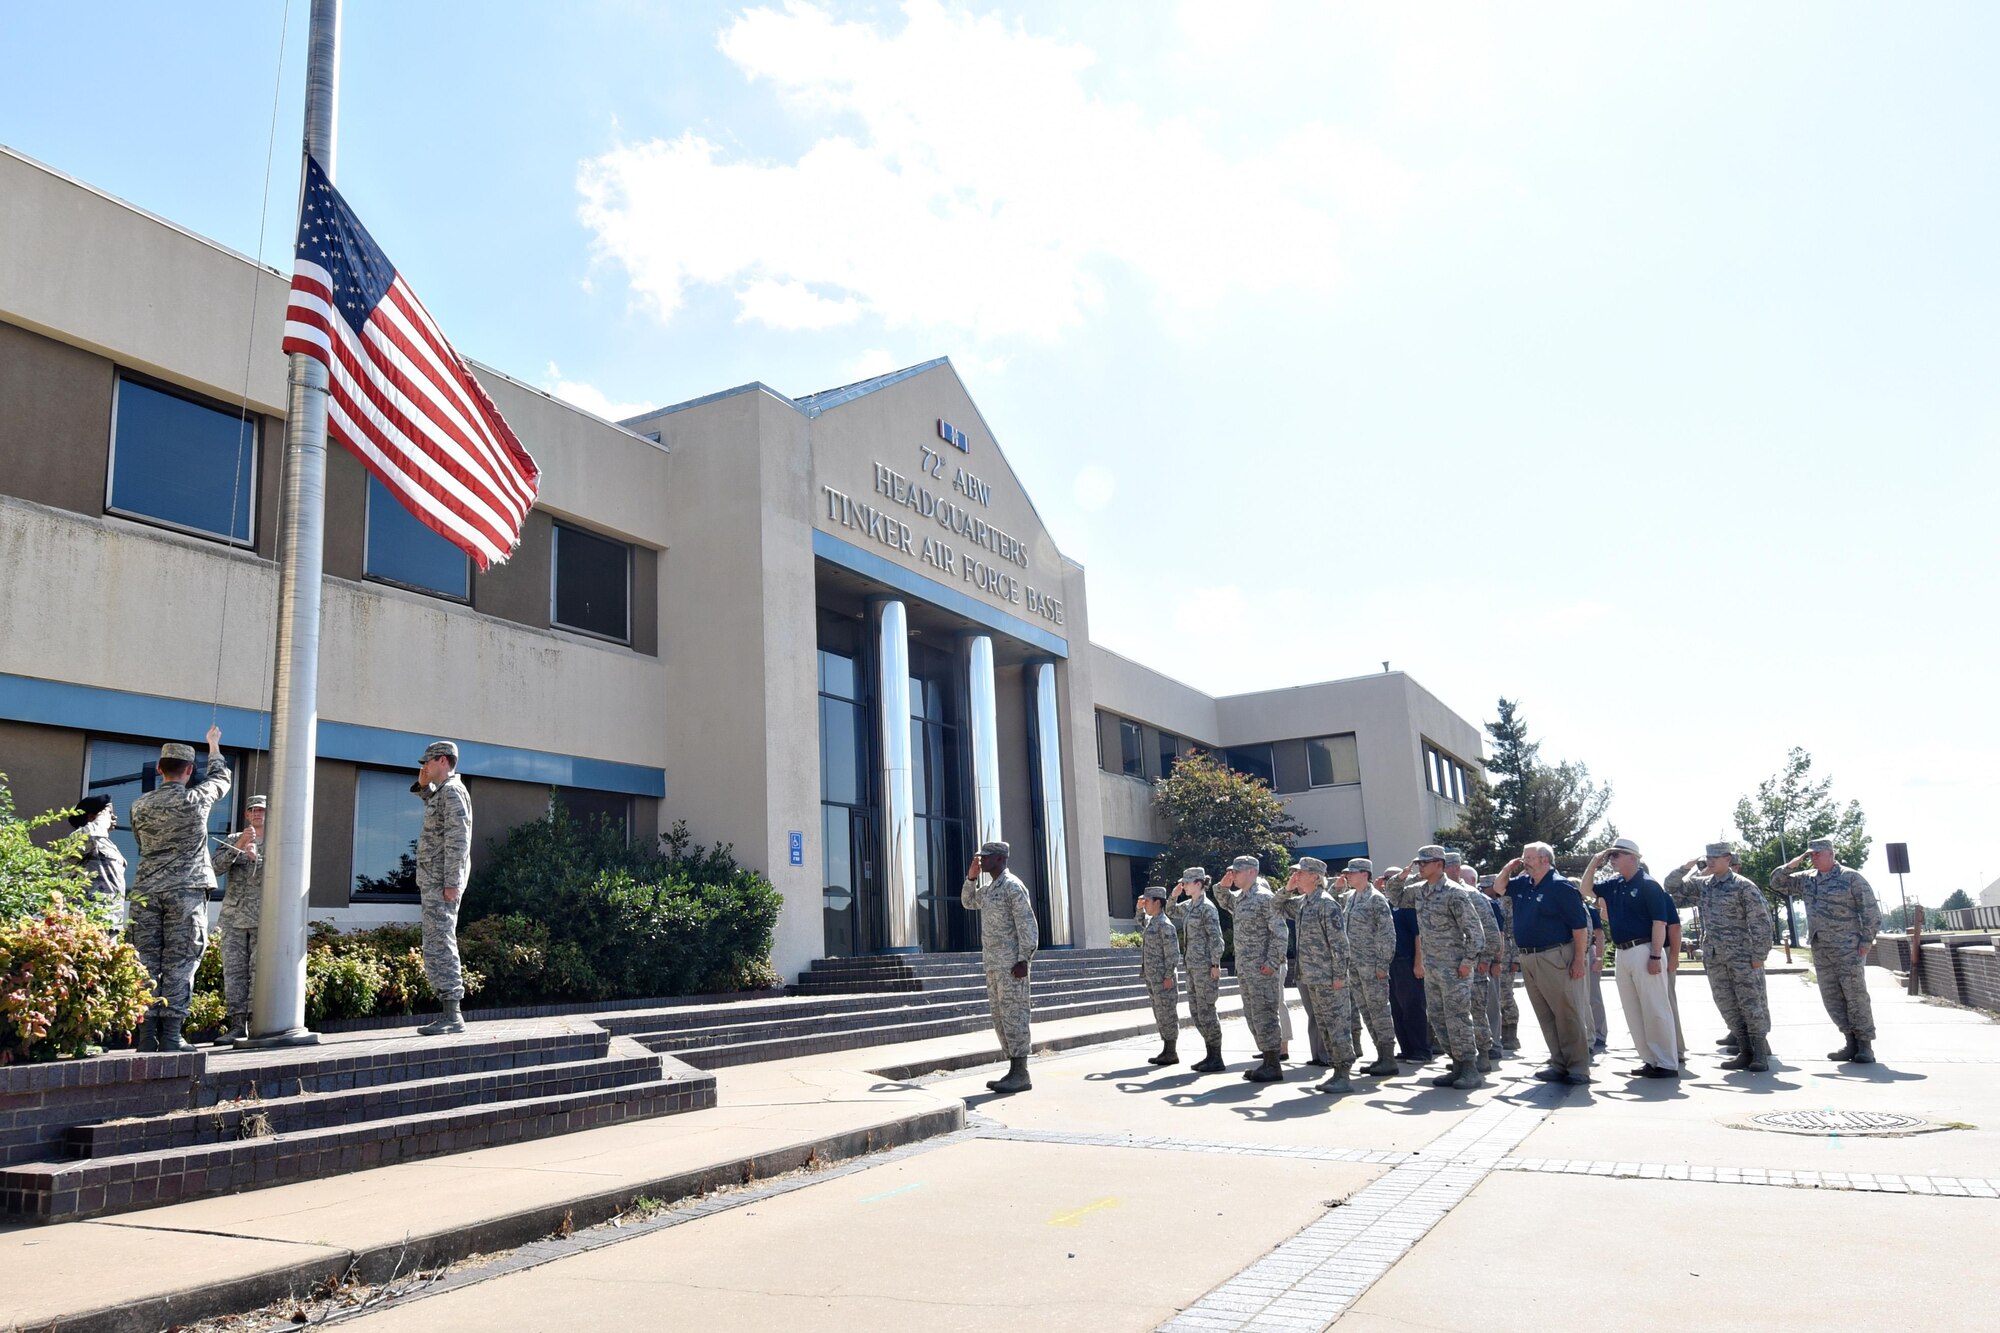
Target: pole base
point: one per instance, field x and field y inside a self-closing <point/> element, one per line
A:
<point x="289" y="1037"/>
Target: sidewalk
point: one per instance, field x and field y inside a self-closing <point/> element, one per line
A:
<point x="142" y="1271"/>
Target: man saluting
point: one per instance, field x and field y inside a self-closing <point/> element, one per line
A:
<point x="1008" y="938"/>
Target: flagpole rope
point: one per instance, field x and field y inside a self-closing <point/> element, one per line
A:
<point x="243" y="428"/>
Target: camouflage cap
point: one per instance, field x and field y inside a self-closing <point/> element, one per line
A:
<point x="1312" y="865"/>
<point x="1249" y="863"/>
<point x="1821" y="845"/>
<point x="176" y="750"/>
<point x="1194" y="875"/>
<point x="1430" y="851"/>
<point x="441" y="750"/>
<point x="1155" y="891"/>
<point x="995" y="848"/>
<point x="1453" y="860"/>
<point x="1361" y="864"/>
<point x="1716" y="849"/>
<point x="256" y="803"/>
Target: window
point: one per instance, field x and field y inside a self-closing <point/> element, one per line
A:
<point x="181" y="462"/>
<point x="1131" y="749"/>
<point x="593" y="581"/>
<point x="1170" y="748"/>
<point x="388" y="816"/>
<point x="843" y="732"/>
<point x="1332" y="761"/>
<point x="588" y="808"/>
<point x="123" y="770"/>
<point x="400" y="549"/>
<point x="1252" y="761"/>
<point x="1445" y="776"/>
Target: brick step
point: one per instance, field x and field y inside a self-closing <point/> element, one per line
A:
<point x="920" y="963"/>
<point x="397" y="1057"/>
<point x="65" y="1191"/>
<point x="815" y="1043"/>
<point x="810" y="982"/>
<point x="627" y="1063"/>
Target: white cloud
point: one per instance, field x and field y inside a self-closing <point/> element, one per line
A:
<point x="590" y="398"/>
<point x="967" y="178"/>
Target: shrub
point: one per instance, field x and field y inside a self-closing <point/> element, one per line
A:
<point x="65" y="984"/>
<point x="1128" y="940"/>
<point x="341" y="985"/>
<point x="32" y="877"/>
<point x="615" y="922"/>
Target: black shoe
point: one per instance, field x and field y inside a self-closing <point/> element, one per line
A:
<point x="1321" y="1064"/>
<point x="1575" y="1080"/>
<point x="1550" y="1075"/>
<point x="1655" y="1071"/>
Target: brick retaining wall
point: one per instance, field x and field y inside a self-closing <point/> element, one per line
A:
<point x="1964" y="969"/>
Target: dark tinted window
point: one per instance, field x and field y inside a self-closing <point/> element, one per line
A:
<point x="182" y="462"/>
<point x="387" y="818"/>
<point x="1170" y="747"/>
<point x="592" y="583"/>
<point x="1132" y="750"/>
<point x="1253" y="760"/>
<point x="590" y="807"/>
<point x="402" y="550"/>
<point x="1332" y="761"/>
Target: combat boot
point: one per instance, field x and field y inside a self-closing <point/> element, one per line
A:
<point x="1208" y="1064"/>
<point x="1167" y="1056"/>
<point x="1510" y="1037"/>
<point x="147" y="1039"/>
<point x="446" y="1023"/>
<point x="1486" y="1064"/>
<point x="1015" y="1079"/>
<point x="1743" y="1049"/>
<point x="1271" y="1071"/>
<point x="1845" y="1053"/>
<point x="1760" y="1056"/>
<point x="237" y="1027"/>
<point x="1336" y="1082"/>
<point x="1451" y="1075"/>
<point x="1468" y="1079"/>
<point x="1729" y="1042"/>
<point x="1385" y="1065"/>
<point x="1864" y="1051"/>
<point x="171" y="1042"/>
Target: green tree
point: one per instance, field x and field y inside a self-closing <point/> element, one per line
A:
<point x="1526" y="799"/>
<point x="1214" y="814"/>
<point x="1787" y="810"/>
<point x="33" y="877"/>
<point x="1959" y="898"/>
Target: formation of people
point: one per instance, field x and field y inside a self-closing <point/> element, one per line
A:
<point x="164" y="911"/>
<point x="1423" y="959"/>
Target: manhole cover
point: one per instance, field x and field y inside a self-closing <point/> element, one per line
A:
<point x="1841" y="1123"/>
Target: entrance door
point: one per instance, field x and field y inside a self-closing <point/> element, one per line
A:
<point x="852" y="897"/>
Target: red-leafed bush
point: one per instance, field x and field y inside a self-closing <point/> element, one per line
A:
<point x="65" y="983"/>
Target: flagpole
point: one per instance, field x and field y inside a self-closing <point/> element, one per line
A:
<point x="278" y="999"/>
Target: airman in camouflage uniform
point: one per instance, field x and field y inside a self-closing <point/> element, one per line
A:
<point x="1510" y="967"/>
<point x="1485" y="968"/>
<point x="1371" y="946"/>
<point x="1843" y="919"/>
<point x="169" y="896"/>
<point x="1159" y="957"/>
<point x="242" y="859"/>
<point x="1324" y="965"/>
<point x="1260" y="959"/>
<point x="1200" y="927"/>
<point x="444" y="864"/>
<point x="1454" y="936"/>
<point x="1008" y="938"/>
<point x="1735" y="937"/>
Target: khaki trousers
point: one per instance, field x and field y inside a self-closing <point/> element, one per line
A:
<point x="1556" y="1002"/>
<point x="1649" y="1008"/>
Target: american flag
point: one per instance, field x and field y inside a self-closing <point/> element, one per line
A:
<point x="402" y="400"/>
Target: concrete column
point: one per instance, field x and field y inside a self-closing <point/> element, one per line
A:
<point x="982" y="735"/>
<point x="889" y="622"/>
<point x="1045" y="752"/>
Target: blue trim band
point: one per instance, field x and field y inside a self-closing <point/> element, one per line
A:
<point x="54" y="703"/>
<point x="1327" y="853"/>
<point x="835" y="551"/>
<point x="1133" y="847"/>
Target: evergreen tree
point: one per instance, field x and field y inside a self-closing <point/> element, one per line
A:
<point x="1788" y="810"/>
<point x="1524" y="799"/>
<point x="1959" y="898"/>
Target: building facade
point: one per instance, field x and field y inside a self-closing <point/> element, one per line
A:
<point x="831" y="631"/>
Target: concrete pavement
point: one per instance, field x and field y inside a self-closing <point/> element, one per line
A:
<point x="1117" y="1195"/>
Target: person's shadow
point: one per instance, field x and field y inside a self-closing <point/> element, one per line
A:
<point x="1851" y="1073"/>
<point x="1309" y="1103"/>
<point x="1225" y="1094"/>
<point x="1113" y="1075"/>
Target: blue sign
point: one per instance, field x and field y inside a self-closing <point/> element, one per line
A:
<point x="798" y="848"/>
<point x="953" y="436"/>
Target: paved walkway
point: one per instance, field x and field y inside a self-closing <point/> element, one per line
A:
<point x="1119" y="1196"/>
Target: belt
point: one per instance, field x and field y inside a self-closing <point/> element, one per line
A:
<point x="1545" y="948"/>
<point x="1627" y="944"/>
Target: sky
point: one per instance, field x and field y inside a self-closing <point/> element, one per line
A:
<point x="1635" y="362"/>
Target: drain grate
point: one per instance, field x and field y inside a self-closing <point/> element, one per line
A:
<point x="1841" y="1124"/>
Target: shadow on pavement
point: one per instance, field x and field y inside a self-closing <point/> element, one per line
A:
<point x="1871" y="1074"/>
<point x="1113" y="1075"/>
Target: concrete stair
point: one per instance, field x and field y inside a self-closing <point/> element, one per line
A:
<point x="849" y="1003"/>
<point x="249" y="1119"/>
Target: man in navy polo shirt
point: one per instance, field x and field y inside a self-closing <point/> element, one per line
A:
<point x="1550" y="925"/>
<point x="1640" y="916"/>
